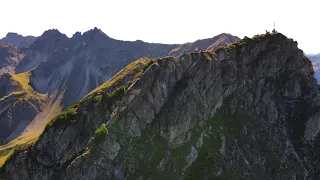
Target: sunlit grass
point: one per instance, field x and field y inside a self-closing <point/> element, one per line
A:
<point x="7" y="153"/>
<point x="23" y="79"/>
<point x="176" y="49"/>
<point x="5" y="156"/>
<point x="132" y="68"/>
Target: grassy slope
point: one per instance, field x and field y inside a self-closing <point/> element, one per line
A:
<point x="24" y="92"/>
<point x="130" y="69"/>
<point x="23" y="79"/>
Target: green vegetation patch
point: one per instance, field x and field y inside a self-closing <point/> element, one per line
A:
<point x="10" y="154"/>
<point x="147" y="65"/>
<point x="258" y="37"/>
<point x="154" y="149"/>
<point x="220" y="48"/>
<point x="238" y="43"/>
<point x="67" y="117"/>
<point x="132" y="69"/>
<point x="176" y="49"/>
<point x="99" y="135"/>
<point x="208" y="154"/>
<point x="207" y="55"/>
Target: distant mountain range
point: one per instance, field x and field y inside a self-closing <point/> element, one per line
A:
<point x="18" y="40"/>
<point x="315" y="58"/>
<point x="44" y="75"/>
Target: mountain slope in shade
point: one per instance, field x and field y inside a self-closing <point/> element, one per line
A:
<point x="18" y="40"/>
<point x="248" y="111"/>
<point x="316" y="65"/>
<point x="66" y="69"/>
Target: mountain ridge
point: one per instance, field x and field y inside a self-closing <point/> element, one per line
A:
<point x="17" y="40"/>
<point x="231" y="114"/>
<point x="66" y="69"/>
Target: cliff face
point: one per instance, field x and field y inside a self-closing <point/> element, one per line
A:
<point x="248" y="111"/>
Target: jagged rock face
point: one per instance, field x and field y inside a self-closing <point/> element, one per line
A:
<point x="251" y="111"/>
<point x="49" y="42"/>
<point x="9" y="57"/>
<point x="316" y="64"/>
<point x="18" y="40"/>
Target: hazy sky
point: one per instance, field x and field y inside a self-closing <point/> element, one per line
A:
<point x="166" y="21"/>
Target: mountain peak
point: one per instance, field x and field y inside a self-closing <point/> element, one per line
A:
<point x="76" y="35"/>
<point x="52" y="32"/>
<point x="95" y="32"/>
<point x="12" y="34"/>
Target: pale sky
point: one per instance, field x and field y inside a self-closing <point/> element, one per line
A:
<point x="166" y="21"/>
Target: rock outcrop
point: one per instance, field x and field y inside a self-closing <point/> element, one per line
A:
<point x="248" y="111"/>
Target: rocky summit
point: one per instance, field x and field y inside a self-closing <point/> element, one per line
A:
<point x="249" y="110"/>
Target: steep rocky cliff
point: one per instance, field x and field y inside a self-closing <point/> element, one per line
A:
<point x="250" y="110"/>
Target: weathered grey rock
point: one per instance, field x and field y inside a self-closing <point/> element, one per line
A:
<point x="69" y="68"/>
<point x="253" y="114"/>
